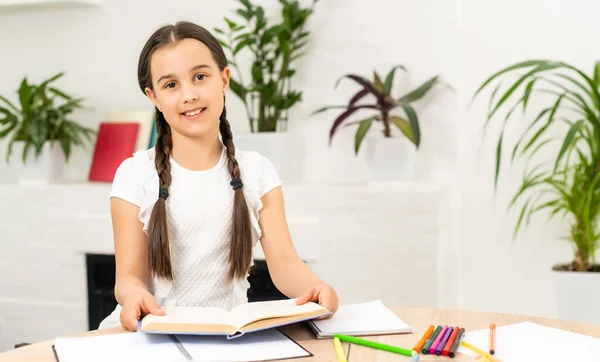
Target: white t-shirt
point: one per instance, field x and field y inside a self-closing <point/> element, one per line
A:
<point x="199" y="212"/>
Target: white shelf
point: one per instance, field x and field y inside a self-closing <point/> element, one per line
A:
<point x="46" y="2"/>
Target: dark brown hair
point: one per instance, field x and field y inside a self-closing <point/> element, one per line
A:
<point x="240" y="254"/>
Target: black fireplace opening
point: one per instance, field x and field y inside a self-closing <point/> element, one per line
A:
<point x="101" y="283"/>
<point x="100" y="287"/>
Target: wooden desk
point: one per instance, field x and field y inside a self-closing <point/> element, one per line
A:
<point x="323" y="350"/>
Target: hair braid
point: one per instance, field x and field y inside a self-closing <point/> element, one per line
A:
<point x="240" y="253"/>
<point x="159" y="251"/>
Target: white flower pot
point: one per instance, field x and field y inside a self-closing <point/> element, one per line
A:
<point x="285" y="150"/>
<point x="47" y="168"/>
<point x="390" y="158"/>
<point x="578" y="296"/>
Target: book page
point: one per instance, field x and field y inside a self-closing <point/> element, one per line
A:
<point x="247" y="313"/>
<point x="118" y="347"/>
<point x="265" y="345"/>
<point x="190" y="315"/>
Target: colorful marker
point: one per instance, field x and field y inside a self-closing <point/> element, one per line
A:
<point x="492" y="338"/>
<point x="377" y="345"/>
<point x="424" y="339"/>
<point x="429" y="342"/>
<point x="438" y="340"/>
<point x="452" y="352"/>
<point x="440" y="347"/>
<point x="450" y="342"/>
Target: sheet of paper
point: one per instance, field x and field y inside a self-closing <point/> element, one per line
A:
<point x="265" y="345"/>
<point x="118" y="347"/>
<point x="534" y="342"/>
<point x="369" y="317"/>
<point x="249" y="312"/>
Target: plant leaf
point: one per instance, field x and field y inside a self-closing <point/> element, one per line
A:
<point x="7" y="130"/>
<point x="241" y="45"/>
<point x="511" y="90"/>
<point x="389" y="79"/>
<point x="528" y="89"/>
<point x="568" y="142"/>
<point x="419" y="92"/>
<point x="358" y="96"/>
<point x="362" y="130"/>
<point x="10" y="104"/>
<point x="238" y="89"/>
<point x="414" y="123"/>
<point x="364" y="82"/>
<point x="378" y="82"/>
<point x="60" y="93"/>
<point x="25" y="92"/>
<point x="404" y="127"/>
<point x="323" y="109"/>
<point x="342" y="117"/>
<point x="487" y="81"/>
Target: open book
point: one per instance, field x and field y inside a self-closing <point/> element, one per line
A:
<point x="241" y="319"/>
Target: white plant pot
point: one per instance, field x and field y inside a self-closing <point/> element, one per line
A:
<point x="390" y="158"/>
<point x="285" y="150"/>
<point x="578" y="295"/>
<point x="47" y="168"/>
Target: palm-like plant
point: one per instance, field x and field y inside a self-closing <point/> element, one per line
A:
<point x="569" y="185"/>
<point x="43" y="117"/>
<point x="384" y="104"/>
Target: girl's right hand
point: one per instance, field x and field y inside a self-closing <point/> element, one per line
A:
<point x="136" y="307"/>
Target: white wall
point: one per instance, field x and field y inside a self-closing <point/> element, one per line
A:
<point x="463" y="41"/>
<point x="499" y="274"/>
<point x="98" y="47"/>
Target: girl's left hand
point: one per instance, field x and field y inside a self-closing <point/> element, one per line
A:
<point x="322" y="294"/>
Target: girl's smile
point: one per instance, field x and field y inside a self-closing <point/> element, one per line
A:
<point x="194" y="114"/>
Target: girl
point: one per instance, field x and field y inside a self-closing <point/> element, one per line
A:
<point x="187" y="213"/>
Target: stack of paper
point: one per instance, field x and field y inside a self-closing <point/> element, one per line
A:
<point x="260" y="346"/>
<point x="362" y="319"/>
<point x="533" y="342"/>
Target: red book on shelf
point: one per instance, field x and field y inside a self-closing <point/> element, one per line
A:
<point x="115" y="143"/>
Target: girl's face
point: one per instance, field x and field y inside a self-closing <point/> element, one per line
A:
<point x="188" y="88"/>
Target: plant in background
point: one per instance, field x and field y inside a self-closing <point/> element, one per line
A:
<point x="43" y="117"/>
<point x="384" y="104"/>
<point x="569" y="185"/>
<point x="268" y="96"/>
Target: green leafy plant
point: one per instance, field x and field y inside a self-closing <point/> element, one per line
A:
<point x="568" y="185"/>
<point x="384" y="104"/>
<point x="42" y="117"/>
<point x="268" y="96"/>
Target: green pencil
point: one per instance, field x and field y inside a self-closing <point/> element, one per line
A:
<point x="376" y="345"/>
<point x="425" y="349"/>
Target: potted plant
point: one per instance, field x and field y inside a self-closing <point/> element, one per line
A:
<point x="40" y="134"/>
<point x="389" y="155"/>
<point x="272" y="48"/>
<point x="569" y="185"/>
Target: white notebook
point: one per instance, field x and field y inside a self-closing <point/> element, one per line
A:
<point x="361" y="319"/>
<point x="534" y="342"/>
<point x="267" y="345"/>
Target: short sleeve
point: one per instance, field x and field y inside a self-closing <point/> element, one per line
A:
<point x="269" y="177"/>
<point x="126" y="183"/>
